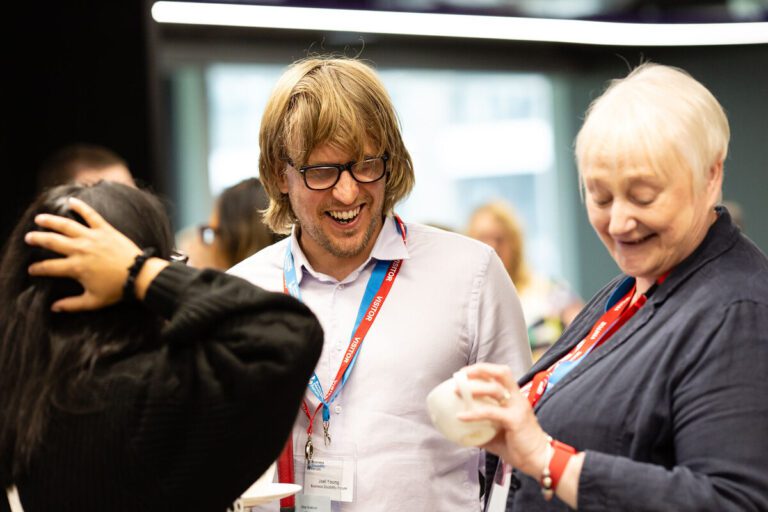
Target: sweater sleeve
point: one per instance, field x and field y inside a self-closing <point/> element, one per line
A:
<point x="719" y="411"/>
<point x="225" y="386"/>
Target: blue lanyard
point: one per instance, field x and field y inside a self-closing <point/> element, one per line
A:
<point x="371" y="289"/>
<point x="564" y="367"/>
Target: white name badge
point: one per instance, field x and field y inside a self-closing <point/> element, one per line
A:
<point x="310" y="503"/>
<point x="331" y="476"/>
<point x="331" y="472"/>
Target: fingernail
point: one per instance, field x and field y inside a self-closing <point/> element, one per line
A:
<point x="28" y="237"/>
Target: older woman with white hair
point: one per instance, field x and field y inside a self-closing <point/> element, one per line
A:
<point x="655" y="398"/>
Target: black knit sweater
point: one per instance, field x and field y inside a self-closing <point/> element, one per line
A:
<point x="190" y="425"/>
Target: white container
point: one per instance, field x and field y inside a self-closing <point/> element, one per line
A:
<point x="444" y="404"/>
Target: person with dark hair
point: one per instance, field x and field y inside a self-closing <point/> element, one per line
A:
<point x="236" y="228"/>
<point x="85" y="164"/>
<point x="131" y="383"/>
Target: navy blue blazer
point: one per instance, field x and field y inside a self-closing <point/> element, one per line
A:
<point x="672" y="411"/>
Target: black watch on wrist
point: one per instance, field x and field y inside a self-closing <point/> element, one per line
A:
<point x="129" y="288"/>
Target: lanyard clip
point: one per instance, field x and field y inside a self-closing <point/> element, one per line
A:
<point x="309" y="450"/>
<point x="326" y="435"/>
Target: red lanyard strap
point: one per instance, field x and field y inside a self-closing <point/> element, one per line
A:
<point x="610" y="322"/>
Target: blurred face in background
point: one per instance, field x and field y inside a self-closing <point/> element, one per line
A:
<point x="203" y="245"/>
<point x="115" y="173"/>
<point x="210" y="235"/>
<point x="485" y="227"/>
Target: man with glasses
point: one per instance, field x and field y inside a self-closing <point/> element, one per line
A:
<point x="403" y="306"/>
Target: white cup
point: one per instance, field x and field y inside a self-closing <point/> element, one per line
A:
<point x="259" y="487"/>
<point x="443" y="405"/>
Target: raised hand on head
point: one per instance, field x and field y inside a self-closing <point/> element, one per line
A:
<point x="95" y="254"/>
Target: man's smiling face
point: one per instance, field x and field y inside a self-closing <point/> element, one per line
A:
<point x="342" y="221"/>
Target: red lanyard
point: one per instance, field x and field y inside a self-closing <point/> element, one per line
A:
<point x="610" y="322"/>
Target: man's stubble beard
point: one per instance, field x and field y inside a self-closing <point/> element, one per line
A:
<point x="317" y="234"/>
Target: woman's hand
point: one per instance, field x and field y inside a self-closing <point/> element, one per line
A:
<point x="96" y="255"/>
<point x="520" y="441"/>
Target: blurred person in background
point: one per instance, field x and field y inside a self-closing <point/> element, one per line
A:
<point x="84" y="164"/>
<point x="235" y="228"/>
<point x="549" y="305"/>
<point x="403" y="305"/>
<point x="654" y="399"/>
<point x="737" y="213"/>
<point x="131" y="383"/>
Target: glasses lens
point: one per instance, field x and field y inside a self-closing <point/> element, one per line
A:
<point x="369" y="170"/>
<point x="207" y="234"/>
<point x="319" y="178"/>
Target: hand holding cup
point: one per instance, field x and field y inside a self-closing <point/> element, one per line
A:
<point x="452" y="397"/>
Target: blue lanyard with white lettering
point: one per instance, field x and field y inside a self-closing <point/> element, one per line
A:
<point x="376" y="290"/>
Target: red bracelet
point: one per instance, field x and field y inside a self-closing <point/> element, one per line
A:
<point x="560" y="454"/>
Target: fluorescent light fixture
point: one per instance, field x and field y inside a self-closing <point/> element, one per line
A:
<point x="461" y="26"/>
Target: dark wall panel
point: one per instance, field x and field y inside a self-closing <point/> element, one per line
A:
<point x="73" y="71"/>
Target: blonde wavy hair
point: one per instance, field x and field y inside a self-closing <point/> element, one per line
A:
<point x="505" y="215"/>
<point x="329" y="100"/>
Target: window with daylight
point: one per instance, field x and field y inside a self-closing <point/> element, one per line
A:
<point x="474" y="137"/>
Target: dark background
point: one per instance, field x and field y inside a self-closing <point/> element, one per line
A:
<point x="75" y="72"/>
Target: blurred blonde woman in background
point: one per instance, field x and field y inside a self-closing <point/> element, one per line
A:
<point x="548" y="305"/>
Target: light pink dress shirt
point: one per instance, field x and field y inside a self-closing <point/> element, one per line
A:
<point x="452" y="304"/>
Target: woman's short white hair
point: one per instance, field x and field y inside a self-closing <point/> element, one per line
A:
<point x="657" y="116"/>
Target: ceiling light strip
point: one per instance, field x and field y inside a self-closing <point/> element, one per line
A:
<point x="461" y="26"/>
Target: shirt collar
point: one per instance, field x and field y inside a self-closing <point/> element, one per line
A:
<point x="389" y="246"/>
<point x="300" y="261"/>
<point x="620" y="291"/>
<point x="720" y="237"/>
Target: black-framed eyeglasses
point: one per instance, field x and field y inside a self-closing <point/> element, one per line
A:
<point x="325" y="176"/>
<point x="207" y="233"/>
